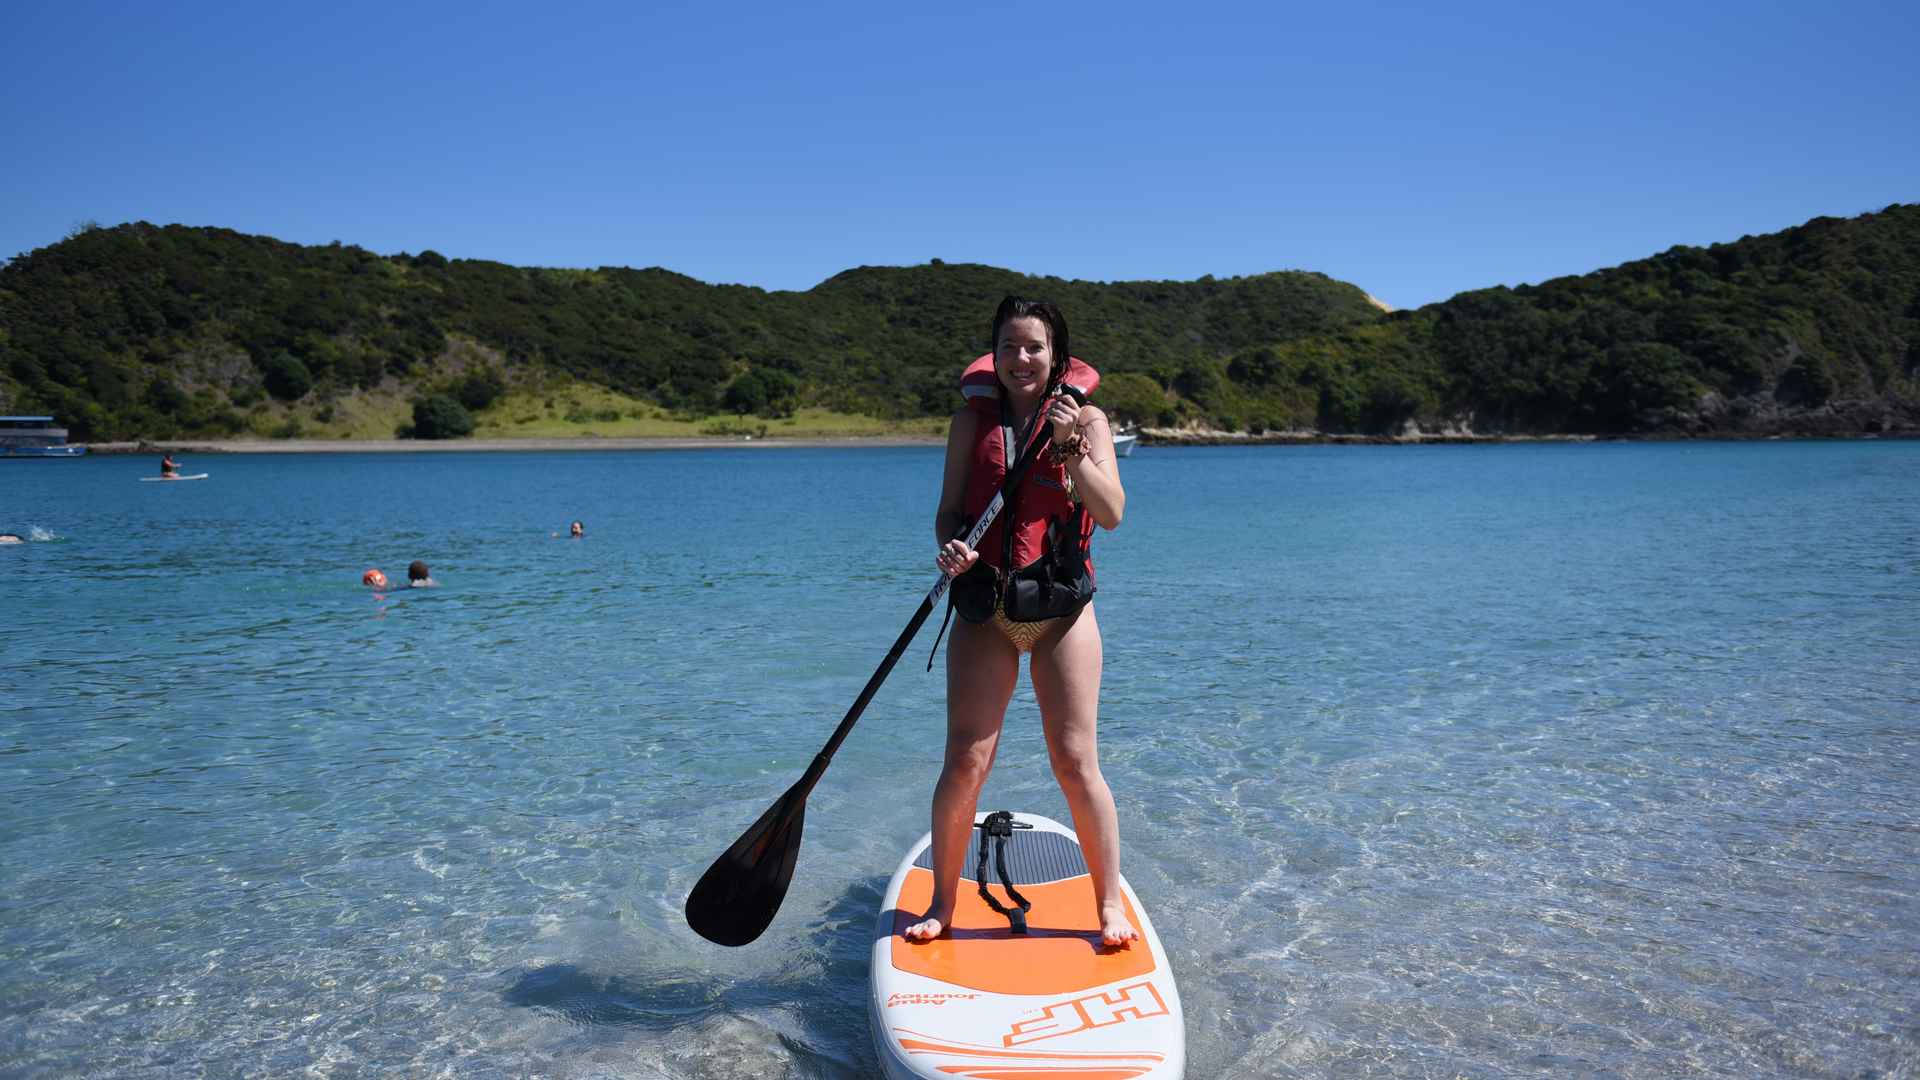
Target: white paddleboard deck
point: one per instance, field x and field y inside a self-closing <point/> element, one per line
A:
<point x="1053" y="1004"/>
<point x="172" y="479"/>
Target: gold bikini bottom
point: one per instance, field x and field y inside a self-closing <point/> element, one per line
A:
<point x="1023" y="635"/>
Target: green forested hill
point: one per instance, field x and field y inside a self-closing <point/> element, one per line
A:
<point x="1815" y="329"/>
<point x="145" y="331"/>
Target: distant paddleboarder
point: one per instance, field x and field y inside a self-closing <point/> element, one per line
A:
<point x="167" y="466"/>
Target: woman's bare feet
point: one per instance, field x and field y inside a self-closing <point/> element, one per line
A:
<point x="928" y="928"/>
<point x="1115" y="930"/>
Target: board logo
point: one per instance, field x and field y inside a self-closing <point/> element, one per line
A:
<point x="1135" y="1002"/>
<point x="927" y="999"/>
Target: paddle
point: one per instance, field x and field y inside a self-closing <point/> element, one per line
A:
<point x="738" y="895"/>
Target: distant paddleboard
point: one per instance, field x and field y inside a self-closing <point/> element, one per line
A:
<point x="986" y="1002"/>
<point x="170" y="479"/>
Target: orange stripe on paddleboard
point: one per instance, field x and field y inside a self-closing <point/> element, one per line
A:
<point x="926" y="1044"/>
<point x="1047" y="1073"/>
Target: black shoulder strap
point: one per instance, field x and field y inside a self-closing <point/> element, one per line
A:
<point x="1015" y="445"/>
<point x="944" y="620"/>
<point x="1011" y="448"/>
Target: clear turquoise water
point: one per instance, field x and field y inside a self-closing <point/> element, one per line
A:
<point x="1491" y="761"/>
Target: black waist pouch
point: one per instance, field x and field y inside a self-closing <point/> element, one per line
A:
<point x="972" y="593"/>
<point x="1056" y="584"/>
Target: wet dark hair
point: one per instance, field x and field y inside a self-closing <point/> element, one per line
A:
<point x="1013" y="307"/>
<point x="416" y="571"/>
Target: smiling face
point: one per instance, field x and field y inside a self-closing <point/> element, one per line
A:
<point x="1023" y="357"/>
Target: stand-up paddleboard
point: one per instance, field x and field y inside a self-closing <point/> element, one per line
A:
<point x="1051" y="1004"/>
<point x="158" y="479"/>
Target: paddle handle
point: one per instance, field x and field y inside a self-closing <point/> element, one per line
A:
<point x="979" y="529"/>
<point x="973" y="541"/>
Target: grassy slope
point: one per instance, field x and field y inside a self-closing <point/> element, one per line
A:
<point x="563" y="409"/>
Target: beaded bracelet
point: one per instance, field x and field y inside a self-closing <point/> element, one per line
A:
<point x="1075" y="447"/>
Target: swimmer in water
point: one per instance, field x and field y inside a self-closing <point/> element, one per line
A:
<point x="417" y="576"/>
<point x="576" y="530"/>
<point x="9" y="538"/>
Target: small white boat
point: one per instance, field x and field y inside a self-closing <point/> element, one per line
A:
<point x="1123" y="441"/>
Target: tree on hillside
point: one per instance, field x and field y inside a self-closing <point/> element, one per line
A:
<point x="479" y="390"/>
<point x="287" y="378"/>
<point x="763" y="391"/>
<point x="440" y="417"/>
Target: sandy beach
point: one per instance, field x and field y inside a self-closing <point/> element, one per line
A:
<point x="1151" y="436"/>
<point x="424" y="446"/>
<point x="1162" y="437"/>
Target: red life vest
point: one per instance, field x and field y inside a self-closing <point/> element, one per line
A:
<point x="1041" y="496"/>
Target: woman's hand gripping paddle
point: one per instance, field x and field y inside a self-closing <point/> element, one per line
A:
<point x="739" y="894"/>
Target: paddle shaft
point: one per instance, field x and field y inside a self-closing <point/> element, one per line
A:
<point x="974" y="534"/>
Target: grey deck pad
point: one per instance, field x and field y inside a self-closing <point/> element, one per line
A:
<point x="1033" y="858"/>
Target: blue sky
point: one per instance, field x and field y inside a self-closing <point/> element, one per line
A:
<point x="1414" y="150"/>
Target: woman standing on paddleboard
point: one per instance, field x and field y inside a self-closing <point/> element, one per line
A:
<point x="1042" y="534"/>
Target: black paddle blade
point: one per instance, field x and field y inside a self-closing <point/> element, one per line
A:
<point x="740" y="893"/>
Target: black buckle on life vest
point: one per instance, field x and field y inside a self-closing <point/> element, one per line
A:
<point x="998" y="827"/>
